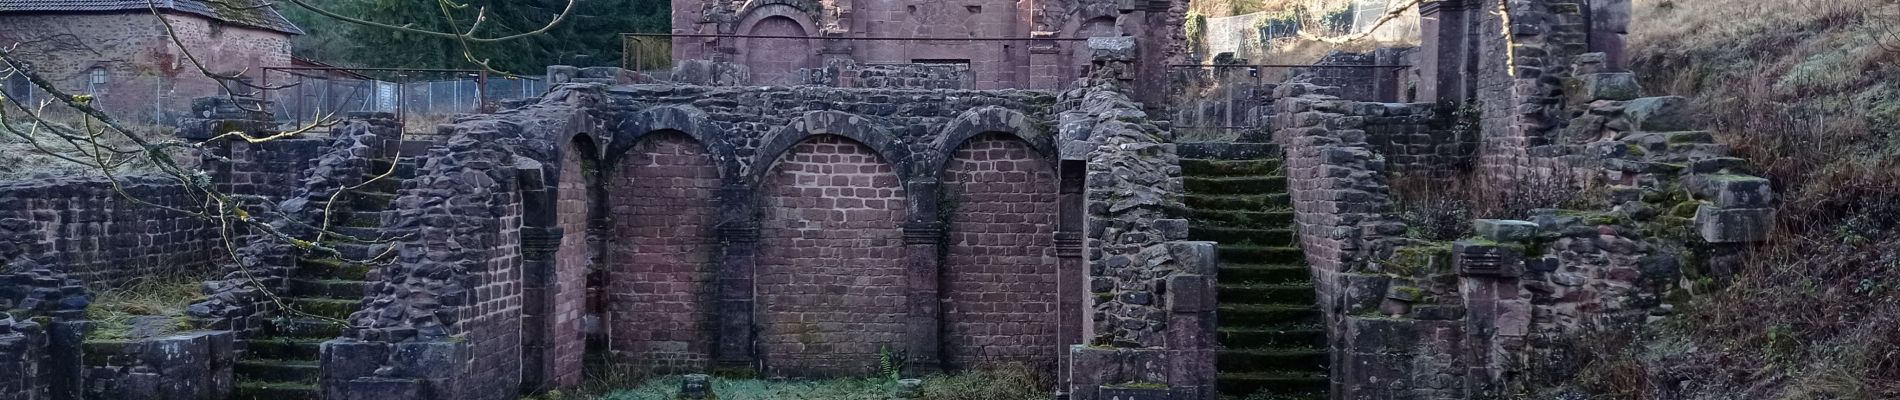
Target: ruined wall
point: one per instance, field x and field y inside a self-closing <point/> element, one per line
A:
<point x="83" y="226"/>
<point x="848" y="73"/>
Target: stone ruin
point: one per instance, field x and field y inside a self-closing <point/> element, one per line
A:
<point x="630" y="222"/>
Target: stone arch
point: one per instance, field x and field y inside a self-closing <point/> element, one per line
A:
<point x="660" y="254"/>
<point x="815" y="123"/>
<point x="777" y="61"/>
<point x="687" y="120"/>
<point x="999" y="254"/>
<point x="989" y="120"/>
<point x="831" y="277"/>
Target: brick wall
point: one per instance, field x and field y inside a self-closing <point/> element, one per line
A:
<point x="571" y="264"/>
<point x="999" y="267"/>
<point x="84" y="227"/>
<point x="847" y="73"/>
<point x="831" y="271"/>
<point x="149" y="79"/>
<point x="660" y="257"/>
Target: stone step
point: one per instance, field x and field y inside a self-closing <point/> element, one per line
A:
<point x="1235" y="185"/>
<point x="1239" y="202"/>
<point x="1290" y="294"/>
<point x="357" y="251"/>
<point x="302" y="327"/>
<point x="1227" y="151"/>
<point x="322" y="307"/>
<point x="1288" y="386"/>
<point x="1237" y="273"/>
<point x="1216" y="168"/>
<point x="388" y="184"/>
<point x="1267" y="237"/>
<point x="407" y="169"/>
<point x="252" y="390"/>
<point x="1242" y="219"/>
<point x="1258" y="338"/>
<point x="371" y="200"/>
<point x="1267" y="315"/>
<point x="1299" y="359"/>
<point x="1243" y="254"/>
<point x="331" y="268"/>
<point x="329" y="288"/>
<point x="285" y="348"/>
<point x="272" y="370"/>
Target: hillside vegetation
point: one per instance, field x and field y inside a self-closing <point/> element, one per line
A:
<point x="1809" y="92"/>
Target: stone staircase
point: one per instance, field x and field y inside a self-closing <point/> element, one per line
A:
<point x="282" y="364"/>
<point x="1270" y="334"/>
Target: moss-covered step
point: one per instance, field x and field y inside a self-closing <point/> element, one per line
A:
<point x="1281" y="337"/>
<point x="1239" y="202"/>
<point x="253" y="390"/>
<point x="1267" y="293"/>
<point x="1270" y="237"/>
<point x="331" y="268"/>
<point x="285" y="348"/>
<point x="298" y="327"/>
<point x="1262" y="360"/>
<point x="1241" y="254"/>
<point x="331" y="308"/>
<point x="271" y="370"/>
<point x="1287" y="385"/>
<point x="1227" y="151"/>
<point x="1242" y="219"/>
<point x="1263" y="315"/>
<point x="1201" y="167"/>
<point x="1235" y="185"/>
<point x="328" y="288"/>
<point x="1238" y="273"/>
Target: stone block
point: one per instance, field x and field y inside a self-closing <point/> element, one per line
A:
<point x="1504" y="230"/>
<point x="376" y="389"/>
<point x="344" y="359"/>
<point x="1112" y="48"/>
<point x="1191" y="293"/>
<point x="1485" y="259"/>
<point x="1614" y="86"/>
<point x="1731" y="191"/>
<point x="1658" y="114"/>
<point x="1738" y="225"/>
<point x="430" y="359"/>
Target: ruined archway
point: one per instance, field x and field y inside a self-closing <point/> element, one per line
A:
<point x="831" y="277"/>
<point x="999" y="257"/>
<point x="566" y="291"/>
<point x="659" y="259"/>
<point x="776" y="61"/>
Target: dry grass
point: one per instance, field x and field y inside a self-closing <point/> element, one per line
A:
<point x="1806" y="91"/>
<point x="1008" y="382"/>
<point x="114" y="309"/>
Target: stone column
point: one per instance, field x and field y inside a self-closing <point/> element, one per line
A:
<point x="1497" y="318"/>
<point x="1445" y="53"/>
<point x="923" y="244"/>
<point x="1071" y="274"/>
<point x="538" y="245"/>
<point x="1609" y="29"/>
<point x="738" y="258"/>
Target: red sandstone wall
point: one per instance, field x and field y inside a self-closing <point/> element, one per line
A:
<point x="831" y="268"/>
<point x="570" y="267"/>
<point x="660" y="256"/>
<point x="1000" y="271"/>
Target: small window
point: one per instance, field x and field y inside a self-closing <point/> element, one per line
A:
<point x="96" y="80"/>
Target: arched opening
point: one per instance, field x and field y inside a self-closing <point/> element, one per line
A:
<point x="831" y="277"/>
<point x="659" y="260"/>
<point x="999" y="257"/>
<point x="777" y="61"/>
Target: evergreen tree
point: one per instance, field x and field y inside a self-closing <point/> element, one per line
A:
<point x="590" y="36"/>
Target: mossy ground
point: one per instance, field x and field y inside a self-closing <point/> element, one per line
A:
<point x="1006" y="383"/>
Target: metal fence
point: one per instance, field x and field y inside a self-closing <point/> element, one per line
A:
<point x="303" y="95"/>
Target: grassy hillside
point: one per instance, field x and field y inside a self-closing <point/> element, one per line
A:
<point x="1809" y="91"/>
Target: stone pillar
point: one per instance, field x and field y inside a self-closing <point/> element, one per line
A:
<point x="538" y="245"/>
<point x="1446" y="54"/>
<point x="923" y="257"/>
<point x="1497" y="317"/>
<point x="738" y="258"/>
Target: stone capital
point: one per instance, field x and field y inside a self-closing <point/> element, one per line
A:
<point x="923" y="232"/>
<point x="540" y="243"/>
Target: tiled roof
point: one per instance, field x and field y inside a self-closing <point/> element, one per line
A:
<point x="250" y="13"/>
